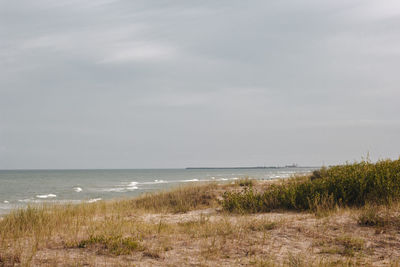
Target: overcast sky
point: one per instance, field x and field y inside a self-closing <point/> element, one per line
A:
<point x="155" y="84"/>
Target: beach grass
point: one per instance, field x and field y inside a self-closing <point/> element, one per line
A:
<point x="181" y="199"/>
<point x="354" y="184"/>
<point x="332" y="217"/>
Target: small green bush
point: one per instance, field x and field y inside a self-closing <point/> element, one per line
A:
<point x="350" y="185"/>
<point x="244" y="182"/>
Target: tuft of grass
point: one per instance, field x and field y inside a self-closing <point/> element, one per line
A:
<point x="349" y="185"/>
<point x="377" y="216"/>
<point x="262" y="225"/>
<point x="153" y="254"/>
<point x="296" y="260"/>
<point x="350" y="245"/>
<point x="115" y="245"/>
<point x="9" y="259"/>
<point x="370" y="216"/>
<point x="343" y="245"/>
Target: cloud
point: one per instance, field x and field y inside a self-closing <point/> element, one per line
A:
<point x="109" y="45"/>
<point x="138" y="52"/>
<point x="172" y="83"/>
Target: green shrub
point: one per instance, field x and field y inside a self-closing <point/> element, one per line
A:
<point x="350" y="185"/>
<point x="244" y="182"/>
<point x="318" y="173"/>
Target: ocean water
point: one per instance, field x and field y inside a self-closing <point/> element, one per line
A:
<point x="19" y="188"/>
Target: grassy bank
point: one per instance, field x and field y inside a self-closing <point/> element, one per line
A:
<point x="340" y="216"/>
<point x="348" y="185"/>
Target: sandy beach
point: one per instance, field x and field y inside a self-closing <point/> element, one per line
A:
<point x="144" y="232"/>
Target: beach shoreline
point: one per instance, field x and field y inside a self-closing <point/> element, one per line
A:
<point x="164" y="229"/>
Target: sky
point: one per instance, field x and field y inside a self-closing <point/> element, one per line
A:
<point x="173" y="84"/>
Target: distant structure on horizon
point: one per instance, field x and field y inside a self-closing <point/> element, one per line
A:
<point x="294" y="165"/>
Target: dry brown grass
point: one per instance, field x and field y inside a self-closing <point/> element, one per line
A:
<point x="184" y="227"/>
<point x="182" y="199"/>
<point x="383" y="217"/>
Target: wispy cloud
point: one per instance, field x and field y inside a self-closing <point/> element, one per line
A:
<point x="138" y="52"/>
<point x="108" y="46"/>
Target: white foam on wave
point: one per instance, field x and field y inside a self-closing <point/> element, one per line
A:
<point x="93" y="200"/>
<point x="25" y="200"/>
<point x="157" y="182"/>
<point x="6" y="202"/>
<point x="132" y="186"/>
<point x="277" y="176"/>
<point x="116" y="189"/>
<point x="30" y="200"/>
<point x="191" y="180"/>
<point x="226" y="179"/>
<point x="46" y="196"/>
<point x="129" y="187"/>
<point x="77" y="189"/>
<point x="132" y="183"/>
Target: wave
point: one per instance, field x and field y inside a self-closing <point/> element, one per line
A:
<point x="30" y="200"/>
<point x="26" y="200"/>
<point x="158" y="182"/>
<point x="190" y="180"/>
<point x="132" y="186"/>
<point x="46" y="196"/>
<point x="93" y="200"/>
<point x="129" y="187"/>
<point x="138" y="185"/>
<point x="4" y="208"/>
<point x="6" y="202"/>
<point x="132" y="183"/>
<point x="115" y="189"/>
<point x="77" y="189"/>
<point x="213" y="178"/>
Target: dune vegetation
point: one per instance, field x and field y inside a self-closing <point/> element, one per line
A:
<point x="347" y="215"/>
<point x="347" y="185"/>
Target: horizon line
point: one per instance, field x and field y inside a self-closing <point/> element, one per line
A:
<point x="180" y="168"/>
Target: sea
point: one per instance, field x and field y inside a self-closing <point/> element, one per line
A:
<point x="20" y="188"/>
